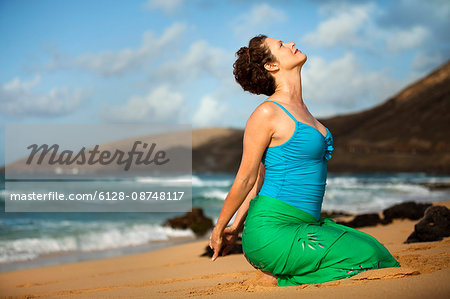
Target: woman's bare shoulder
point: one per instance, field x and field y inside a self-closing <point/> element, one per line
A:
<point x="265" y="111"/>
<point x="262" y="117"/>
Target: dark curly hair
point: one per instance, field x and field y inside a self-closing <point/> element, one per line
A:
<point x="248" y="69"/>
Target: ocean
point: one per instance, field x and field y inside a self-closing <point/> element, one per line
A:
<point x="36" y="239"/>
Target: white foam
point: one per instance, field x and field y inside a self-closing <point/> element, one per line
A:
<point x="108" y="238"/>
<point x="342" y="182"/>
<point x="186" y="179"/>
<point x="134" y="236"/>
<point x="218" y="194"/>
<point x="198" y="182"/>
<point x="363" y="195"/>
<point x="165" y="181"/>
<point x="30" y="248"/>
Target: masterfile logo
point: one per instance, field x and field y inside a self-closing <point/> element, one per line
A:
<point x="91" y="157"/>
<point x="98" y="168"/>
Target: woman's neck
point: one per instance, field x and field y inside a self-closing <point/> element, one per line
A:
<point x="290" y="86"/>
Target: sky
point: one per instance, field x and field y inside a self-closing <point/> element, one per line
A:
<point x="170" y="61"/>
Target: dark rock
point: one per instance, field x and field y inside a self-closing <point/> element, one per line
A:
<point x="409" y="209"/>
<point x="362" y="220"/>
<point x="434" y="225"/>
<point x="385" y="221"/>
<point x="195" y="220"/>
<point x="236" y="249"/>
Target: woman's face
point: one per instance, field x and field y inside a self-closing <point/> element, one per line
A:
<point x="286" y="54"/>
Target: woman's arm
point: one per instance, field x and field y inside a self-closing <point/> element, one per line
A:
<point x="257" y="135"/>
<point x="238" y="222"/>
<point x="230" y="234"/>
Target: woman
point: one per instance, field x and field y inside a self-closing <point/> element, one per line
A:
<point x="281" y="180"/>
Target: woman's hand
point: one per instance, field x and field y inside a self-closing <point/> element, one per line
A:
<point x="230" y="236"/>
<point x="215" y="243"/>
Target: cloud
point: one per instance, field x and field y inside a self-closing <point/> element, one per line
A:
<point x="423" y="61"/>
<point x="430" y="22"/>
<point x="176" y="77"/>
<point x="162" y="105"/>
<point x="433" y="14"/>
<point x="167" y="6"/>
<point x="405" y="39"/>
<point x="115" y="63"/>
<point x="396" y="27"/>
<point x="260" y="17"/>
<point x="342" y="27"/>
<point x="210" y="113"/>
<point x="200" y="59"/>
<point x="18" y="99"/>
<point x="342" y="85"/>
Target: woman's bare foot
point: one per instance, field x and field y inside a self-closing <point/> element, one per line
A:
<point x="266" y="278"/>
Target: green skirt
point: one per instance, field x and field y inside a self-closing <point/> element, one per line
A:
<point x="298" y="249"/>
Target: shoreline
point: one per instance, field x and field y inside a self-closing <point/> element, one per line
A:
<point x="62" y="258"/>
<point x="179" y="271"/>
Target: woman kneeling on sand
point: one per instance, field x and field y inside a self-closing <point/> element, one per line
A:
<point x="281" y="180"/>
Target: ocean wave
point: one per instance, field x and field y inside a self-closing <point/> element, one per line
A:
<point x="185" y="179"/>
<point x="134" y="235"/>
<point x="199" y="182"/>
<point x="166" y="181"/>
<point x="215" y="193"/>
<point x="342" y="181"/>
<point x="391" y="185"/>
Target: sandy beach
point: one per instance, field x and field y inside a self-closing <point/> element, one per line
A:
<point x="179" y="271"/>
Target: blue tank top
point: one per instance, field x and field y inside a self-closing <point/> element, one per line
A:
<point x="296" y="171"/>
